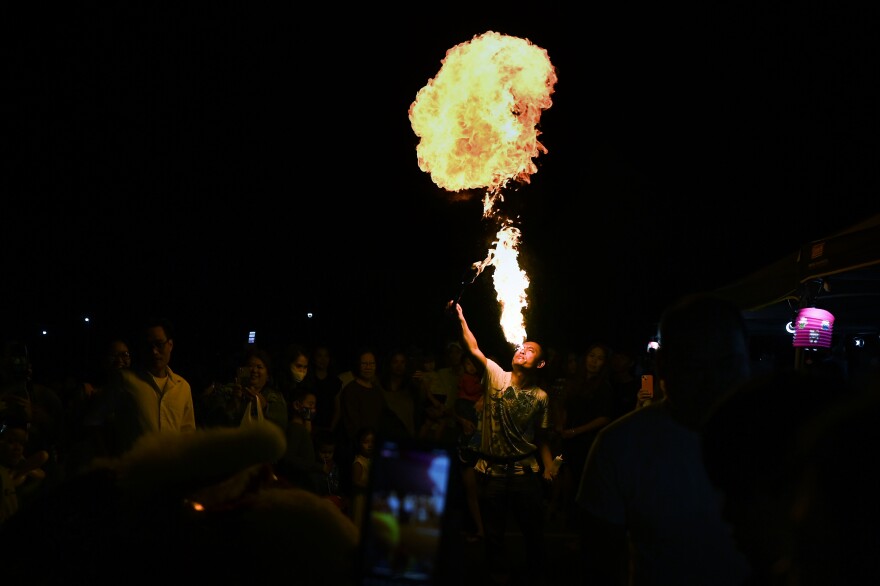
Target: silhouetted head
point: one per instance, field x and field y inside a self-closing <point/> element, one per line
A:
<point x="703" y="354"/>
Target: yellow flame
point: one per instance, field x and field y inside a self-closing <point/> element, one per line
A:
<point x="477" y="124"/>
<point x="477" y="118"/>
<point x="510" y="283"/>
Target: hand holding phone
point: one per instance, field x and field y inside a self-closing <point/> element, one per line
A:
<point x="646" y="391"/>
<point x="243" y="375"/>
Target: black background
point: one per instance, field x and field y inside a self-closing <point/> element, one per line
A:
<point x="235" y="168"/>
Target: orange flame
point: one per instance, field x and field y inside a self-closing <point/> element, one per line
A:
<point x="477" y="123"/>
<point x="510" y="283"/>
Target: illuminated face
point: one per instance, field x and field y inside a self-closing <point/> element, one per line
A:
<point x="119" y="355"/>
<point x="299" y="368"/>
<point x="367" y="444"/>
<point x="528" y="355"/>
<point x="259" y="373"/>
<point x="158" y="350"/>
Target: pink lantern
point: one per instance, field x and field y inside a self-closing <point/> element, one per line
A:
<point x="813" y="328"/>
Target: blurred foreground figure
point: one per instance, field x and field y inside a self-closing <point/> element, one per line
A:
<point x="836" y="510"/>
<point x="201" y="507"/>
<point x="651" y="515"/>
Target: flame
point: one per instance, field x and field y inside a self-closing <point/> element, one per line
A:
<point x="510" y="283"/>
<point x="477" y="118"/>
<point x="477" y="123"/>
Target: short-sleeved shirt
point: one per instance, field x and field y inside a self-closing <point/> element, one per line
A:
<point x="510" y="421"/>
<point x="645" y="472"/>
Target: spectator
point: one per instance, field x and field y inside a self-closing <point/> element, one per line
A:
<point x="228" y="405"/>
<point x="401" y="392"/>
<point x="299" y="463"/>
<point x="149" y="396"/>
<point x="361" y="405"/>
<point x="293" y="368"/>
<point x="651" y="514"/>
<point x="323" y="378"/>
<point x="468" y="409"/>
<point x="365" y="439"/>
<point x="750" y="448"/>
<point x="587" y="407"/>
<point x="326" y="480"/>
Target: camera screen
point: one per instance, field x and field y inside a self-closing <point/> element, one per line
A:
<point x="406" y="517"/>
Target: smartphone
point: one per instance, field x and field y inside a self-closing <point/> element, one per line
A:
<point x="409" y="518"/>
<point x="648" y="383"/>
<point x="243" y="375"/>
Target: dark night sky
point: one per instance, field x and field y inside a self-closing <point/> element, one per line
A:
<point x="238" y="168"/>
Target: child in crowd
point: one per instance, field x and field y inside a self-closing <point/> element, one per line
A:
<point x="360" y="472"/>
<point x="327" y="480"/>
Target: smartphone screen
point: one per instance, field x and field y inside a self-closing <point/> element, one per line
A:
<point x="648" y="383"/>
<point x="406" y="527"/>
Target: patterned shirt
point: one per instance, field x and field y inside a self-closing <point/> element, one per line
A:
<point x="511" y="418"/>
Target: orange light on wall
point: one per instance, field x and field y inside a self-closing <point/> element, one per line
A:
<point x="813" y="328"/>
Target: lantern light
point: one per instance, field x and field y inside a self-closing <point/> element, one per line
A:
<point x="813" y="328"/>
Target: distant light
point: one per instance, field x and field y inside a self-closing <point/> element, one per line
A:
<point x="858" y="342"/>
<point x="653" y="346"/>
<point x="252" y="336"/>
<point x="310" y="315"/>
<point x="87" y="320"/>
<point x="44" y="332"/>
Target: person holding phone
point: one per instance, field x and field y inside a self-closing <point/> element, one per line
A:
<point x="231" y="404"/>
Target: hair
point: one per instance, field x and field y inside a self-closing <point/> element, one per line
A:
<point x="257" y="352"/>
<point x="301" y="392"/>
<point x="363" y="432"/>
<point x="159" y="322"/>
<point x="324" y="437"/>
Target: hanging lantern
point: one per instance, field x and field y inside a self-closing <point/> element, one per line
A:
<point x="813" y="328"/>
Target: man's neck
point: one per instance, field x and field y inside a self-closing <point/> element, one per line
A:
<point x="521" y="379"/>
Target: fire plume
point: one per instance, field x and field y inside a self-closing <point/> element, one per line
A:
<point x="477" y="117"/>
<point x="510" y="283"/>
<point x="477" y="123"/>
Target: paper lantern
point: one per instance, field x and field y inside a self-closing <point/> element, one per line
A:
<point x="813" y="328"/>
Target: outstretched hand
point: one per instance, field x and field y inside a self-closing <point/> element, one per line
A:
<point x="453" y="308"/>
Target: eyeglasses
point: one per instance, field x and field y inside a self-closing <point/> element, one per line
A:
<point x="158" y="344"/>
<point x="121" y="355"/>
<point x="368" y="364"/>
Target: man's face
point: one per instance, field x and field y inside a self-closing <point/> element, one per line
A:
<point x="367" y="366"/>
<point x="157" y="350"/>
<point x="528" y="356"/>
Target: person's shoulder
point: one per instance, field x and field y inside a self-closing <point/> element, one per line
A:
<point x="634" y="423"/>
<point x="178" y="380"/>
